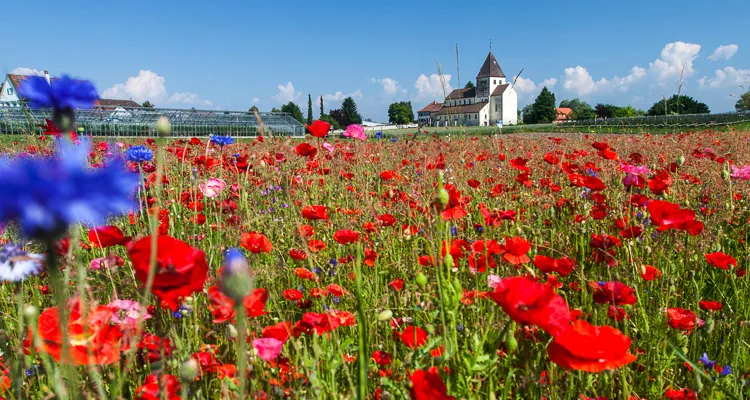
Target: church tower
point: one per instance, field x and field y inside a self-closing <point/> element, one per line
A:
<point x="490" y="76"/>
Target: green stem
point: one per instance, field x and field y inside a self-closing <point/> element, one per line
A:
<point x="59" y="287"/>
<point x="364" y="354"/>
<point x="242" y="349"/>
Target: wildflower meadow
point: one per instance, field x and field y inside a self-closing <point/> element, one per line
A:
<point x="536" y="266"/>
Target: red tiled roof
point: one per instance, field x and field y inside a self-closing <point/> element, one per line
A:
<point x="500" y="90"/>
<point x="105" y="103"/>
<point x="564" y="110"/>
<point x="432" y="107"/>
<point x="462" y="94"/>
<point x="467" y="109"/>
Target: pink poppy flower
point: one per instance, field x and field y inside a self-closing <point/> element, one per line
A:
<point x="268" y="348"/>
<point x="127" y="313"/>
<point x="356" y="132"/>
<point x="493" y="281"/>
<point x="213" y="187"/>
<point x="328" y="147"/>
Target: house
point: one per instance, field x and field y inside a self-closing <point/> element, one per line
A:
<point x="564" y="114"/>
<point x="425" y="115"/>
<point x="492" y="101"/>
<point x="9" y="96"/>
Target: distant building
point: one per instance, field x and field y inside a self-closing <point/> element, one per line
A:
<point x="9" y="96"/>
<point x="564" y="114"/>
<point x="491" y="100"/>
<point x="425" y="115"/>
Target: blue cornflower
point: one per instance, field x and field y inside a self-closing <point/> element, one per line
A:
<point x="378" y="135"/>
<point x="336" y="300"/>
<point x="454" y="231"/>
<point x="46" y="195"/>
<point x="706" y="362"/>
<point x="17" y="265"/>
<point x="479" y="228"/>
<point x="139" y="154"/>
<point x="727" y="370"/>
<point x="317" y="270"/>
<point x="394" y="140"/>
<point x="60" y="94"/>
<point x="222" y="140"/>
<point x="333" y="262"/>
<point x="460" y="327"/>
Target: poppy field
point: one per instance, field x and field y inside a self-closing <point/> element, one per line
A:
<point x="534" y="266"/>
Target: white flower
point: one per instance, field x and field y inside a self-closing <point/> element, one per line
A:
<point x="17" y="265"/>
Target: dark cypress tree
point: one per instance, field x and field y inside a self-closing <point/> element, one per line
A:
<point x="309" y="110"/>
<point x="321" y="107"/>
<point x="351" y="115"/>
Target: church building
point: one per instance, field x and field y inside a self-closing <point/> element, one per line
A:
<point x="492" y="101"/>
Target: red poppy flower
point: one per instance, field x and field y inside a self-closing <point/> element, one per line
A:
<point x="650" y="273"/>
<point x="303" y="273"/>
<point x="387" y="175"/>
<point x="316" y="245"/>
<point x="473" y="183"/>
<point x="531" y="303"/>
<point x="319" y="128"/>
<point x="307" y="231"/>
<point x="281" y="331"/>
<point x="93" y="340"/>
<point x="453" y="213"/>
<point x="515" y="250"/>
<point x="304" y="149"/>
<point x="631" y="232"/>
<point x="615" y="293"/>
<point x="292" y="294"/>
<point x="551" y="159"/>
<point x="318" y="323"/>
<point x="710" y="305"/>
<point x="297" y="254"/>
<point x="413" y="337"/>
<point x="428" y="385"/>
<point x="345" y="236"/>
<point x="107" y="236"/>
<point x="159" y="387"/>
<point x="589" y="348"/>
<point x="256" y="243"/>
<point x="666" y="216"/>
<point x="181" y="270"/>
<point x="562" y="266"/>
<point x="519" y="164"/>
<point x="336" y="290"/>
<point x="382" y="357"/>
<point x="397" y="284"/>
<point x="682" y="319"/>
<point x="153" y="347"/>
<point x="386" y="219"/>
<point x="680" y="394"/>
<point x="222" y="307"/>
<point x="721" y="260"/>
<point x="315" y="212"/>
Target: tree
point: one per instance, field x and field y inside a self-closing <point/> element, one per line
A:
<point x="627" y="112"/>
<point x="147" y="104"/>
<point x="294" y="110"/>
<point x="581" y="109"/>
<point x="605" y="110"/>
<point x="469" y="85"/>
<point x="338" y="116"/>
<point x="526" y="112"/>
<point x="253" y="110"/>
<point x="309" y="110"/>
<point x="351" y="115"/>
<point x="321" y="108"/>
<point x="543" y="110"/>
<point x="678" y="105"/>
<point x="743" y="104"/>
<point x="276" y="110"/>
<point x="327" y="118"/>
<point x="400" y="113"/>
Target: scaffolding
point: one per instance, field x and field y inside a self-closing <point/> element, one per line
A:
<point x="140" y="122"/>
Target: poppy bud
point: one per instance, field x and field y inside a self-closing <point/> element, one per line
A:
<point x="511" y="344"/>
<point x="189" y="370"/>
<point x="236" y="280"/>
<point x="710" y="325"/>
<point x="680" y="160"/>
<point x="443" y="197"/>
<point x="725" y="174"/>
<point x="457" y="286"/>
<point x="385" y="315"/>
<point x="232" y="331"/>
<point x="163" y="127"/>
<point x="449" y="261"/>
<point x="31" y="312"/>
<point x="421" y="280"/>
<point x="385" y="395"/>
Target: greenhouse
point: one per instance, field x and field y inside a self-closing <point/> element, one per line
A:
<point x="139" y="122"/>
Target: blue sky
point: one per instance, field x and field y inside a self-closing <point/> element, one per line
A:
<point x="232" y="54"/>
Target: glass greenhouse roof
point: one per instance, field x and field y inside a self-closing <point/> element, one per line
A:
<point x="124" y="121"/>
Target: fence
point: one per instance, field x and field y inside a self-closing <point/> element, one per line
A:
<point x="135" y="122"/>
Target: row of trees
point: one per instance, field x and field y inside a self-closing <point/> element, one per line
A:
<point x="338" y="118"/>
<point x="543" y="109"/>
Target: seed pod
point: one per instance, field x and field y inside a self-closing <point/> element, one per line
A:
<point x="448" y="260"/>
<point x="385" y="315"/>
<point x="421" y="280"/>
<point x="680" y="160"/>
<point x="189" y="370"/>
<point x="163" y="127"/>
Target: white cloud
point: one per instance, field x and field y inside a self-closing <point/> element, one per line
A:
<point x="26" y="71"/>
<point x="340" y="96"/>
<point x="674" y="57"/>
<point x="390" y="86"/>
<point x="255" y="100"/>
<point x="286" y="94"/>
<point x="550" y="82"/>
<point x="579" y="81"/>
<point x="724" y="52"/>
<point x="148" y="85"/>
<point x="727" y="77"/>
<point x="432" y="87"/>
<point x="189" y="98"/>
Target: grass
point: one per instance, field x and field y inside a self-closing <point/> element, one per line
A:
<point x="478" y="352"/>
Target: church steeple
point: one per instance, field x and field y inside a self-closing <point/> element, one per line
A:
<point x="490" y="68"/>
